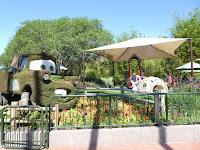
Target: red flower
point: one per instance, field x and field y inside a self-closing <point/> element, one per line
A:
<point x="106" y="110"/>
<point x="64" y="109"/>
<point x="85" y="112"/>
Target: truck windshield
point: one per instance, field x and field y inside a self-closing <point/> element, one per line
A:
<point x="23" y="63"/>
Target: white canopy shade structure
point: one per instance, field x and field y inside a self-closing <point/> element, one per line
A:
<point x="198" y="60"/>
<point x="144" y="48"/>
<point x="187" y="66"/>
<point x="140" y="48"/>
<point x="190" y="71"/>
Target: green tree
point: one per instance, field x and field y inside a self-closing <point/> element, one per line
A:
<point x="187" y="27"/>
<point x="64" y="38"/>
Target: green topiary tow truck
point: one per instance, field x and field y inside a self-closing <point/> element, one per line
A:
<point x="38" y="75"/>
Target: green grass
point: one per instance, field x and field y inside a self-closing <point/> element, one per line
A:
<point x="103" y="91"/>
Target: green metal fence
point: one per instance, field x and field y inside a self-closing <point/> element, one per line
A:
<point x="122" y="110"/>
<point x="22" y="127"/>
<point x="183" y="108"/>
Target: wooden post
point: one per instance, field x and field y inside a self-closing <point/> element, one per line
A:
<point x="85" y="90"/>
<point x="157" y="108"/>
<point x="56" y="114"/>
<point x="13" y="116"/>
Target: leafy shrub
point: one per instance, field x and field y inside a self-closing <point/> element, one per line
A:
<point x="88" y="84"/>
<point x="104" y="82"/>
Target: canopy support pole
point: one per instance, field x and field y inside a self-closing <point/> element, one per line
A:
<point x="191" y="52"/>
<point x="114" y="74"/>
<point x="129" y="73"/>
<point x="179" y="75"/>
<point x="83" y="68"/>
<point x="139" y="67"/>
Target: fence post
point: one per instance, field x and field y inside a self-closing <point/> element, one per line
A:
<point x="85" y="90"/>
<point x="157" y="108"/>
<point x="56" y="114"/>
<point x="122" y="92"/>
<point x="13" y="116"/>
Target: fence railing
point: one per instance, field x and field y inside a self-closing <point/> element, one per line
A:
<point x="118" y="110"/>
<point x="122" y="89"/>
<point x="12" y="115"/>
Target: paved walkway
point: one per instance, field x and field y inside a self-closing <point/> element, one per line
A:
<point x="176" y="146"/>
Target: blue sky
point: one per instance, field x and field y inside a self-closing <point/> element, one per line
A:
<point x="151" y="18"/>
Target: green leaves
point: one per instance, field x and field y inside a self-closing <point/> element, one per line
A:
<point x="188" y="27"/>
<point x="64" y="38"/>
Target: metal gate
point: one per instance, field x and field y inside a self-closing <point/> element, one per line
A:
<point x="22" y="127"/>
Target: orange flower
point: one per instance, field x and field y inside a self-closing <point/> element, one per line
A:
<point x="145" y="118"/>
<point x="127" y="113"/>
<point x="139" y="113"/>
<point x="74" y="121"/>
<point x="61" y="119"/>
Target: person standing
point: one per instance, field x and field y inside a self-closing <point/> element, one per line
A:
<point x="170" y="80"/>
<point x="134" y="81"/>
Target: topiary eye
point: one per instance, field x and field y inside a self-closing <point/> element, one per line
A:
<point x="51" y="68"/>
<point x="43" y="67"/>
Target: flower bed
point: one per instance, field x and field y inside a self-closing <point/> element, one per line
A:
<point x="104" y="112"/>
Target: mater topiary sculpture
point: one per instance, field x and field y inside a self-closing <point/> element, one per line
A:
<point x="31" y="73"/>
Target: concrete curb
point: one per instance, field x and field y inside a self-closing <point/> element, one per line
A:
<point x="125" y="136"/>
